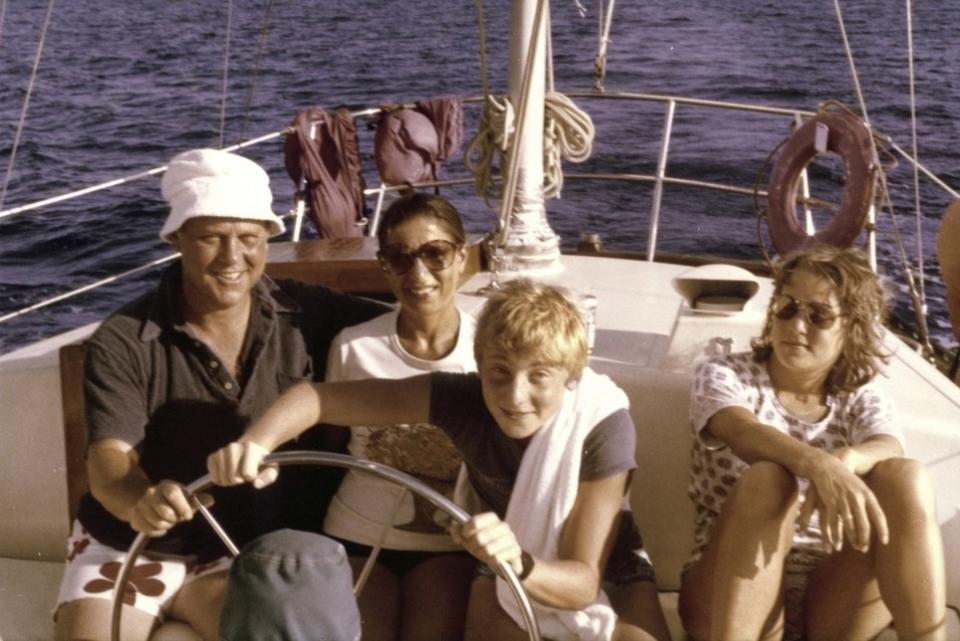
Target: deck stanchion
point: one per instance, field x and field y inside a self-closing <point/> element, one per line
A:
<point x="805" y="188"/>
<point x="301" y="196"/>
<point x="658" y="185"/>
<point x="375" y="220"/>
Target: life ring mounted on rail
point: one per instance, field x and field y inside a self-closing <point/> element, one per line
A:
<point x="848" y="137"/>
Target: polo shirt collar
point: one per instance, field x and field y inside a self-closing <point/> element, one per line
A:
<point x="166" y="311"/>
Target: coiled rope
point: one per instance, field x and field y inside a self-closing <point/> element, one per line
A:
<point x="494" y="129"/>
<point x="603" y="40"/>
<point x="492" y="139"/>
<point x="568" y="133"/>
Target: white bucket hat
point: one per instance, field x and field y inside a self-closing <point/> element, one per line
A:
<point x="210" y="182"/>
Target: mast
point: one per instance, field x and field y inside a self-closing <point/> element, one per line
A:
<point x="527" y="237"/>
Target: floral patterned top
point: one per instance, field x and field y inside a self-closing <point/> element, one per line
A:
<point x="737" y="380"/>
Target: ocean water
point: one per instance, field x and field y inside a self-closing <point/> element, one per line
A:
<point x="124" y="86"/>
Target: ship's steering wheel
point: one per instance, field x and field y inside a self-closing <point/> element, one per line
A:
<point x="337" y="460"/>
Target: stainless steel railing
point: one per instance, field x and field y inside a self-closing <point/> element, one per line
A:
<point x="660" y="180"/>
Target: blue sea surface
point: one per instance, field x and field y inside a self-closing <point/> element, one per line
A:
<point x="124" y="86"/>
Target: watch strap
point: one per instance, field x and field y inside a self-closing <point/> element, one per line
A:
<point x="526" y="565"/>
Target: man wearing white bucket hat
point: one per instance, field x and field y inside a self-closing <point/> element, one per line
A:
<point x="173" y="376"/>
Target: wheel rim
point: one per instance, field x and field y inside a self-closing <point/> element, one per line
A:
<point x="336" y="460"/>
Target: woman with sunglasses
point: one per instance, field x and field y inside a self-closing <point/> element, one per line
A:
<point x="809" y="520"/>
<point x="420" y="585"/>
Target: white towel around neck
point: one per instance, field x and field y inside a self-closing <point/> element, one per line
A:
<point x="543" y="496"/>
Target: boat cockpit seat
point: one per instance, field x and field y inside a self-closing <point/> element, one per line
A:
<point x="665" y="516"/>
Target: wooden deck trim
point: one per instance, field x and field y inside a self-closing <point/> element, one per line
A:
<point x="347" y="264"/>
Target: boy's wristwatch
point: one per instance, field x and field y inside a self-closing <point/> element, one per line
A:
<point x="526" y="565"/>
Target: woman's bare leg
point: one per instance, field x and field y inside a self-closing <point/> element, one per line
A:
<point x="639" y="615"/>
<point x="379" y="602"/>
<point x="843" y="600"/>
<point x="910" y="569"/>
<point x="486" y="620"/>
<point x="90" y="620"/>
<point x="907" y="573"/>
<point x="197" y="605"/>
<point x="175" y="631"/>
<point x="434" y="596"/>
<point x="734" y="591"/>
<point x="199" y="602"/>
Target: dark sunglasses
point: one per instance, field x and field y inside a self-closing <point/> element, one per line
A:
<point x="821" y="316"/>
<point x="435" y="255"/>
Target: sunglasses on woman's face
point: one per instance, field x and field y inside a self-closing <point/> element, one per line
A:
<point x="820" y="315"/>
<point x="435" y="255"/>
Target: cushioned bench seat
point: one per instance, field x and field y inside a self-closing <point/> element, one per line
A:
<point x="28" y="590"/>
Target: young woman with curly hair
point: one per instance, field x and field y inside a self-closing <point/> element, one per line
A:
<point x="810" y="521"/>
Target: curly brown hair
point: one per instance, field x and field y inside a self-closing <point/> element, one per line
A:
<point x="863" y="303"/>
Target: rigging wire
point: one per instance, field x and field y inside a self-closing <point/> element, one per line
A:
<point x="597" y="79"/>
<point x="549" y="61"/>
<point x="126" y="179"/>
<point x="86" y="288"/>
<point x="916" y="154"/>
<point x="482" y="26"/>
<point x="26" y="102"/>
<point x="603" y="41"/>
<point x="918" y="305"/>
<point x="226" y="73"/>
<point x="494" y="129"/>
<point x="853" y="67"/>
<point x="567" y="130"/>
<point x="94" y="285"/>
<point x="760" y="211"/>
<point x="513" y="164"/>
<point x="248" y="99"/>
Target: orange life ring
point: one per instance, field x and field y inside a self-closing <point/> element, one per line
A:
<point x="850" y="139"/>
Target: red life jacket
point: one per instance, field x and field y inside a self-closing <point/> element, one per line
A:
<point x="411" y="144"/>
<point x="330" y="163"/>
